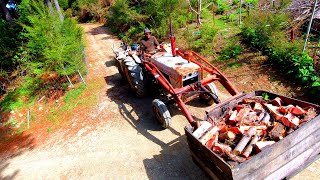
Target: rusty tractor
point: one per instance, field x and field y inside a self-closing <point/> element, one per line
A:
<point x="178" y="76"/>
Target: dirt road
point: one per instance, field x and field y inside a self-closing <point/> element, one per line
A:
<point x="118" y="138"/>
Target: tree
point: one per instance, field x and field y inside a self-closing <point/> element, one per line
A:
<point x="5" y="11"/>
<point x="200" y="4"/>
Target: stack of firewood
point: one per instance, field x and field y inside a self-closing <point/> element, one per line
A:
<point x="251" y="125"/>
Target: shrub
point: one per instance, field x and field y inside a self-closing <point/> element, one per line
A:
<point x="265" y="32"/>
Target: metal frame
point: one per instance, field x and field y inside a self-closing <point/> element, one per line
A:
<point x="178" y="93"/>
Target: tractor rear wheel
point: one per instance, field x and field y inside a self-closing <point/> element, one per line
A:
<point x="119" y="65"/>
<point x="134" y="75"/>
<point x="161" y="112"/>
<point x="205" y="97"/>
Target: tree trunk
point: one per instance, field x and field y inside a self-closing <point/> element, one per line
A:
<point x="199" y="13"/>
<point x="48" y="3"/>
<point x="6" y="12"/>
<point x="56" y="4"/>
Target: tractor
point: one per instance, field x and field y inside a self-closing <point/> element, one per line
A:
<point x="175" y="76"/>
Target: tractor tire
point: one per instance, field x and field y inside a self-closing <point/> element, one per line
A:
<point x="134" y="75"/>
<point x="162" y="113"/>
<point x="119" y="65"/>
<point x="205" y="97"/>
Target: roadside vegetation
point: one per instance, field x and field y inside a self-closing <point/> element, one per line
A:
<point x="42" y="55"/>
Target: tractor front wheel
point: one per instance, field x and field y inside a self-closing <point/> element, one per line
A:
<point x="161" y="112"/>
<point x="134" y="75"/>
<point x="205" y="97"/>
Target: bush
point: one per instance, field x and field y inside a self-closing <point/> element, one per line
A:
<point x="50" y="47"/>
<point x="230" y="51"/>
<point x="264" y="31"/>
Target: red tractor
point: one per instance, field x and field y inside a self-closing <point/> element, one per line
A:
<point x="178" y="76"/>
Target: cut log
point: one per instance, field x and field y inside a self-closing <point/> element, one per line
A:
<point x="249" y="148"/>
<point x="262" y="144"/>
<point x="232" y="118"/>
<point x="310" y="114"/>
<point x="251" y="118"/>
<point x="277" y="101"/>
<point x="227" y="150"/>
<point x="212" y="141"/>
<point x="244" y="141"/>
<point x="226" y="135"/>
<point x="297" y="110"/>
<point x="290" y="120"/>
<point x="266" y="119"/>
<point x="202" y="129"/>
<point x="258" y="106"/>
<point x="242" y="113"/>
<point x="277" y="132"/>
<point x="207" y="135"/>
<point x="274" y="111"/>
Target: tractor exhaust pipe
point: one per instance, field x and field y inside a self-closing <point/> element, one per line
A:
<point x="172" y="40"/>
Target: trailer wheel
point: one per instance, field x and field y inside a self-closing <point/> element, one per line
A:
<point x="208" y="99"/>
<point x="162" y="113"/>
<point x="134" y="75"/>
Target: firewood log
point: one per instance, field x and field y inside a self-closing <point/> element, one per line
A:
<point x="297" y="110"/>
<point x="277" y="132"/>
<point x="310" y="114"/>
<point x="242" y="113"/>
<point x="202" y="129"/>
<point x="290" y="120"/>
<point x="249" y="148"/>
<point x="226" y="135"/>
<point x="266" y="119"/>
<point x="257" y="106"/>
<point x="207" y="135"/>
<point x="227" y="150"/>
<point x="277" y="101"/>
<point x="274" y="111"/>
<point x="232" y="118"/>
<point x="244" y="141"/>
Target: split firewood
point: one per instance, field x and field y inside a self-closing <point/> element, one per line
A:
<point x="274" y="111"/>
<point x="258" y="106"/>
<point x="266" y="118"/>
<point x="290" y="120"/>
<point x="277" y="132"/>
<point x="277" y="101"/>
<point x="242" y="113"/>
<point x="212" y="141"/>
<point x="207" y="135"/>
<point x="251" y="118"/>
<point x="232" y="118"/>
<point x="227" y="150"/>
<point x="249" y="148"/>
<point x="262" y="144"/>
<point x="261" y="115"/>
<point x="244" y="141"/>
<point x="202" y="129"/>
<point x="297" y="110"/>
<point x="310" y="114"/>
<point x="226" y="135"/>
<point x="285" y="109"/>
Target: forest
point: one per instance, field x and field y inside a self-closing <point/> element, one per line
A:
<point x="42" y="47"/>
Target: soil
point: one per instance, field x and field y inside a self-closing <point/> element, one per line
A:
<point x="114" y="134"/>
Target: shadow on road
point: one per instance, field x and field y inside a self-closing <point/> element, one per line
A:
<point x="174" y="161"/>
